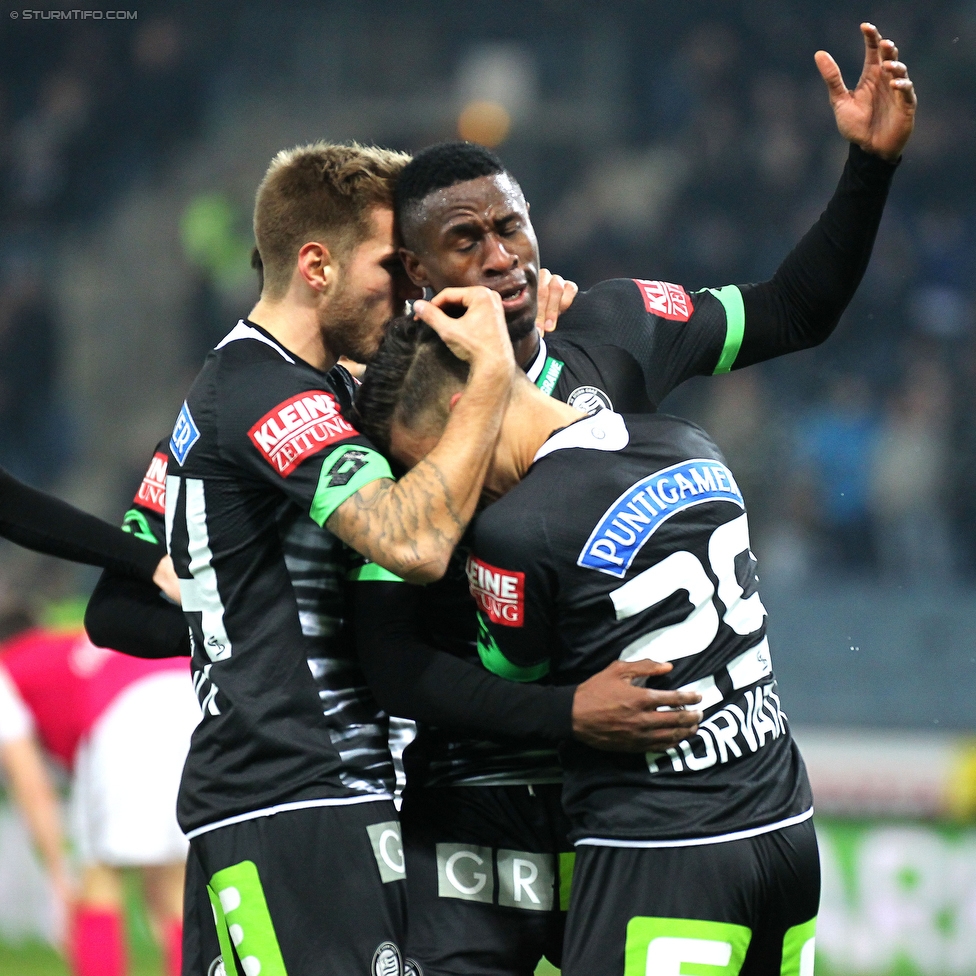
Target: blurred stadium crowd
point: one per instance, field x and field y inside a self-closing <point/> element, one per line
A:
<point x="685" y="142"/>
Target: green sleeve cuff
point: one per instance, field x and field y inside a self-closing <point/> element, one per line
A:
<point x="374" y="572"/>
<point x="735" y="325"/>
<point x="495" y="661"/>
<point x="344" y="472"/>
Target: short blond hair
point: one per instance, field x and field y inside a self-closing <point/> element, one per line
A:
<point x="325" y="192"/>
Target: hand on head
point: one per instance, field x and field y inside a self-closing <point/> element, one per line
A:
<point x="480" y="335"/>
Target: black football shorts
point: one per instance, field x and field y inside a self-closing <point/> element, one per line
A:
<point x="306" y="892"/>
<point x="488" y="875"/>
<point x="744" y="907"/>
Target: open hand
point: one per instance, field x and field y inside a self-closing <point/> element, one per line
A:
<point x="879" y="114"/>
<point x="610" y="712"/>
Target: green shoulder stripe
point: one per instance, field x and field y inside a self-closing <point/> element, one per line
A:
<point x="495" y="661"/>
<point x="735" y="325"/>
<point x="138" y="525"/>
<point x="344" y="472"/>
<point x="373" y="571"/>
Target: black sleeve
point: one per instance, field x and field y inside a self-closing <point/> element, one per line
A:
<point x="802" y="303"/>
<point x="134" y="617"/>
<point x="38" y="521"/>
<point x="413" y="680"/>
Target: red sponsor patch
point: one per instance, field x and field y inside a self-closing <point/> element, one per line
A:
<point x="152" y="491"/>
<point x="499" y="593"/>
<point x="298" y="428"/>
<point x="665" y="300"/>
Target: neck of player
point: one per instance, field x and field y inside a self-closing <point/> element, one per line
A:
<point x="526" y="349"/>
<point x="294" y="321"/>
<point x="530" y="420"/>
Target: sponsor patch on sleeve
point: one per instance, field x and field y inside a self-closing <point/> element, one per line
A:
<point x="666" y="300"/>
<point x="299" y="427"/>
<point x="185" y="435"/>
<point x="499" y="593"/>
<point x="152" y="491"/>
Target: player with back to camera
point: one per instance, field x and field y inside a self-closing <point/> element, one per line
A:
<point x="623" y="345"/>
<point x="699" y="854"/>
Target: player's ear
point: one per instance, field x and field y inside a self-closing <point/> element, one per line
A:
<point x="316" y="266"/>
<point x="454" y="399"/>
<point x="415" y="269"/>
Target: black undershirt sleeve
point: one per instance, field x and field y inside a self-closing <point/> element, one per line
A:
<point x="413" y="680"/>
<point x="802" y="303"/>
<point x="133" y="617"/>
<point x="38" y="521"/>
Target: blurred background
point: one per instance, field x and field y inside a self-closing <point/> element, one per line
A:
<point x="687" y="142"/>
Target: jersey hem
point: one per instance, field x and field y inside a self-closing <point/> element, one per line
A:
<point x="695" y="841"/>
<point x="342" y="801"/>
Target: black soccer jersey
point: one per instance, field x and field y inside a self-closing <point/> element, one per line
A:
<point x="260" y="457"/>
<point x="628" y="539"/>
<point x="626" y="343"/>
<point x="623" y="345"/>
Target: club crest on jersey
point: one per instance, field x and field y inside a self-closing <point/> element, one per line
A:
<point x="665" y="300"/>
<point x="499" y="593"/>
<point x="152" y="491"/>
<point x="589" y="398"/>
<point x="387" y="960"/>
<point x="299" y="427"/>
<point x="638" y="513"/>
<point x="185" y="435"/>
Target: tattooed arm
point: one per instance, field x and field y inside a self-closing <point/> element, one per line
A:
<point x="411" y="526"/>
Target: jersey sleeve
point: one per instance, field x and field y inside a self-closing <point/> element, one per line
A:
<point x="414" y="680"/>
<point x="800" y="306"/>
<point x="281" y="428"/>
<point x="675" y="334"/>
<point x="514" y="586"/>
<point x="38" y="521"/>
<point x="130" y="615"/>
<point x="16" y="721"/>
<point x="672" y="333"/>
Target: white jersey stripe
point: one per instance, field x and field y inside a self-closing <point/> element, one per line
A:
<point x="342" y="801"/>
<point x="695" y="841"/>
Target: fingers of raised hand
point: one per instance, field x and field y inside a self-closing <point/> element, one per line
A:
<point x="872" y="40"/>
<point x="830" y="73"/>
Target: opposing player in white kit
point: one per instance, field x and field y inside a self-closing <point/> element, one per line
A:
<point x="122" y="727"/>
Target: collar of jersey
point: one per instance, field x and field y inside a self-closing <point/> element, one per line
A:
<point x="535" y="369"/>
<point x="600" y="431"/>
<point x="248" y="330"/>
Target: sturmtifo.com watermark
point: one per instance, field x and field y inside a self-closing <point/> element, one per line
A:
<point x="74" y="14"/>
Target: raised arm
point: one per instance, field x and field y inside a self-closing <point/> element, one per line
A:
<point x="803" y="302"/>
<point x="411" y="526"/>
